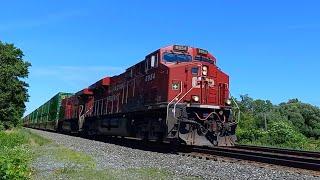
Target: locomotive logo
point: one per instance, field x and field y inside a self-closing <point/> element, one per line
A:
<point x="175" y="86"/>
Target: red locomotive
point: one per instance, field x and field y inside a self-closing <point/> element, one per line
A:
<point x="175" y="93"/>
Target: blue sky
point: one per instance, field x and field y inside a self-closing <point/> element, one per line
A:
<point x="270" y="49"/>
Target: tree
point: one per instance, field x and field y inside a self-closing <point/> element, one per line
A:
<point x="258" y="114"/>
<point x="13" y="88"/>
<point x="304" y="117"/>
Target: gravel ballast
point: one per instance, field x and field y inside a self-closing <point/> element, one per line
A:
<point x="110" y="156"/>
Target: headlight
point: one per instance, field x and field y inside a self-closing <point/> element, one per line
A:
<point x="195" y="98"/>
<point x="228" y="102"/>
<point x="204" y="70"/>
<point x="204" y="73"/>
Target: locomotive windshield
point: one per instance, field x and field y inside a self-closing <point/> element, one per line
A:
<point x="172" y="57"/>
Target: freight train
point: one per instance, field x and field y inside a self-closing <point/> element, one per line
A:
<point x="177" y="94"/>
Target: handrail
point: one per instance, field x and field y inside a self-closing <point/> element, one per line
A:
<point x="174" y="108"/>
<point x="237" y="107"/>
<point x="173" y="100"/>
<point x="235" y="102"/>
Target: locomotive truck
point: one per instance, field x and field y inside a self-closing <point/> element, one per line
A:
<point x="177" y="94"/>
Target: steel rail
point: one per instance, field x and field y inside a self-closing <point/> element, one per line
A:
<point x="302" y="162"/>
<point x="280" y="150"/>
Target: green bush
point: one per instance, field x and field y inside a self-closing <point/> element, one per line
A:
<point x="283" y="132"/>
<point x="279" y="134"/>
<point x="14" y="163"/>
<point x="14" y="155"/>
<point x="250" y="135"/>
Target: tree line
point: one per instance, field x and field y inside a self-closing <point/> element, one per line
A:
<point x="290" y="124"/>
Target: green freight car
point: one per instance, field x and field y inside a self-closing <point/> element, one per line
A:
<point x="48" y="114"/>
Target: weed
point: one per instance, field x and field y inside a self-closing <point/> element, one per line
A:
<point x="15" y="153"/>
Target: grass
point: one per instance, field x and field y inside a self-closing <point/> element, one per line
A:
<point x="19" y="148"/>
<point x="72" y="157"/>
<point x="35" y="139"/>
<point x="78" y="165"/>
<point x="110" y="174"/>
<point x="16" y="154"/>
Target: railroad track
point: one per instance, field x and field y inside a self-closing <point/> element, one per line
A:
<point x="284" y="157"/>
<point x="281" y="151"/>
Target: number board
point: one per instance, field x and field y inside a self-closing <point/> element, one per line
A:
<point x="180" y="48"/>
<point x="202" y="51"/>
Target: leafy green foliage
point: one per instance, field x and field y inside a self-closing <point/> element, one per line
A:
<point x="293" y="124"/>
<point x="303" y="116"/>
<point x="13" y="163"/>
<point x="1" y="126"/>
<point x="13" y="90"/>
<point x="283" y="132"/>
<point x="15" y="153"/>
<point x="13" y="156"/>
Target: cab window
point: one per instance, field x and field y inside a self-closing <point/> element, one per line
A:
<point x="152" y="62"/>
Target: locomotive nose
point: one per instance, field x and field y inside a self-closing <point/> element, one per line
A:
<point x="202" y="82"/>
